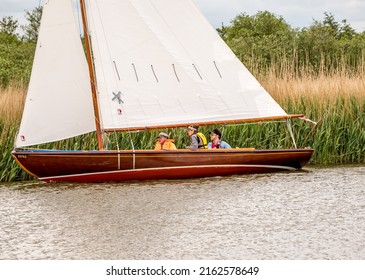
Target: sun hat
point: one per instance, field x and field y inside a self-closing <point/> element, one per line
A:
<point x="163" y="134"/>
<point x="193" y="127"/>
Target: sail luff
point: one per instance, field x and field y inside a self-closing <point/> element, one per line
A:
<point x="92" y="77"/>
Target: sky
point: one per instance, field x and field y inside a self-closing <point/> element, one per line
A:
<point x="297" y="13"/>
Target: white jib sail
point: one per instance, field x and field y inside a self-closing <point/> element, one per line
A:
<point x="159" y="62"/>
<point x="58" y="103"/>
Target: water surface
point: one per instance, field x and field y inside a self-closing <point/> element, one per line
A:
<point x="316" y="213"/>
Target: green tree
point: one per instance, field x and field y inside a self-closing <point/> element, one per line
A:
<point x="16" y="59"/>
<point x="327" y="45"/>
<point x="34" y="20"/>
<point x="262" y="38"/>
<point x="16" y="54"/>
<point x="266" y="42"/>
<point x="9" y="25"/>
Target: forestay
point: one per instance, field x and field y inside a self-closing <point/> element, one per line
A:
<point x="58" y="103"/>
<point x="160" y="63"/>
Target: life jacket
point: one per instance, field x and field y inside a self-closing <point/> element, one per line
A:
<point x="203" y="143"/>
<point x="218" y="146"/>
<point x="168" y="145"/>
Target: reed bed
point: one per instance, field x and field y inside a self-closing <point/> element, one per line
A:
<point x="11" y="106"/>
<point x="336" y="101"/>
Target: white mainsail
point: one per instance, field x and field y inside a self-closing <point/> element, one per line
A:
<point x="159" y="62"/>
<point x="59" y="102"/>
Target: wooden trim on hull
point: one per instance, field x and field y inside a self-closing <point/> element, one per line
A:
<point x="166" y="173"/>
<point x="151" y="164"/>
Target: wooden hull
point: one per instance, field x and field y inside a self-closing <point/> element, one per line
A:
<point x="105" y="166"/>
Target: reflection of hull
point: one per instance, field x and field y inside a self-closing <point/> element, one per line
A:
<point x="125" y="165"/>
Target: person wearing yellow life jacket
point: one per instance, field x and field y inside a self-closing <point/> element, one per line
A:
<point x="164" y="143"/>
<point x="197" y="139"/>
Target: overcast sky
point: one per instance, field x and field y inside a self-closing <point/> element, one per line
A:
<point x="297" y="13"/>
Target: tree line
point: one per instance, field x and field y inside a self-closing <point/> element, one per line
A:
<point x="264" y="42"/>
<point x="267" y="42"/>
<point x="17" y="49"/>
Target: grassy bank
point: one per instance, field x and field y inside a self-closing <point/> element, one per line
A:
<point x="336" y="102"/>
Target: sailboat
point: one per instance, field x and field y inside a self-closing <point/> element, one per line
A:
<point x="148" y="65"/>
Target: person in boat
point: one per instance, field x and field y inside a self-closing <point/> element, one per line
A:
<point x="217" y="143"/>
<point x="164" y="143"/>
<point x="197" y="139"/>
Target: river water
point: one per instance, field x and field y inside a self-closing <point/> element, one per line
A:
<point x="316" y="213"/>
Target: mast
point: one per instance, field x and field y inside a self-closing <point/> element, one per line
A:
<point x="92" y="77"/>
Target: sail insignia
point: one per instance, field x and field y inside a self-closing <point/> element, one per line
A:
<point x="117" y="97"/>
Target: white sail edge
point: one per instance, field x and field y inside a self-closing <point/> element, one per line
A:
<point x="58" y="103"/>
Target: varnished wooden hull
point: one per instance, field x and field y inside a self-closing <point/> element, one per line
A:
<point x="104" y="166"/>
